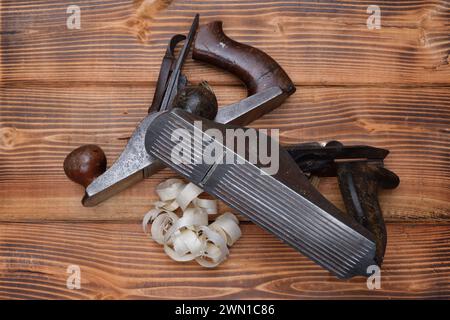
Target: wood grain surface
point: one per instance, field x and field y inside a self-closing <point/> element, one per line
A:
<point x="117" y="261"/>
<point x="62" y="88"/>
<point x="42" y="125"/>
<point x="317" y="42"/>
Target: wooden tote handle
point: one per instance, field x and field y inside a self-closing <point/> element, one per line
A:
<point x="255" y="68"/>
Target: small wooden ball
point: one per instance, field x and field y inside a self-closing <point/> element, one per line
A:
<point x="84" y="164"/>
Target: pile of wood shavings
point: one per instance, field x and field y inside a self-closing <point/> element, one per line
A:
<point x="189" y="237"/>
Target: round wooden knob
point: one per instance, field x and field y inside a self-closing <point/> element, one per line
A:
<point x="199" y="100"/>
<point x="84" y="164"/>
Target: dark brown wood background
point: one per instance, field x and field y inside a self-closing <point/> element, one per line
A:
<point x="62" y="88"/>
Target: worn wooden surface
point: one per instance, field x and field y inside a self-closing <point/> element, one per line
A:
<point x="62" y="88"/>
<point x="117" y="261"/>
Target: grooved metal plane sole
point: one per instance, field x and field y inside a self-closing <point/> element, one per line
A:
<point x="285" y="203"/>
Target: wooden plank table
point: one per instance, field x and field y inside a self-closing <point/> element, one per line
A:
<point x="62" y="88"/>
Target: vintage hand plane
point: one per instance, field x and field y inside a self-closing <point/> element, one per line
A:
<point x="285" y="203"/>
<point x="268" y="86"/>
<point x="267" y="83"/>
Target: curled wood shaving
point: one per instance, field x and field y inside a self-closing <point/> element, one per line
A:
<point x="188" y="236"/>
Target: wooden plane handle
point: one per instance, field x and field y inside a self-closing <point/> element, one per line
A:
<point x="255" y="68"/>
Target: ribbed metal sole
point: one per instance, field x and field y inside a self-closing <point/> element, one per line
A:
<point x="268" y="202"/>
<point x="291" y="217"/>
